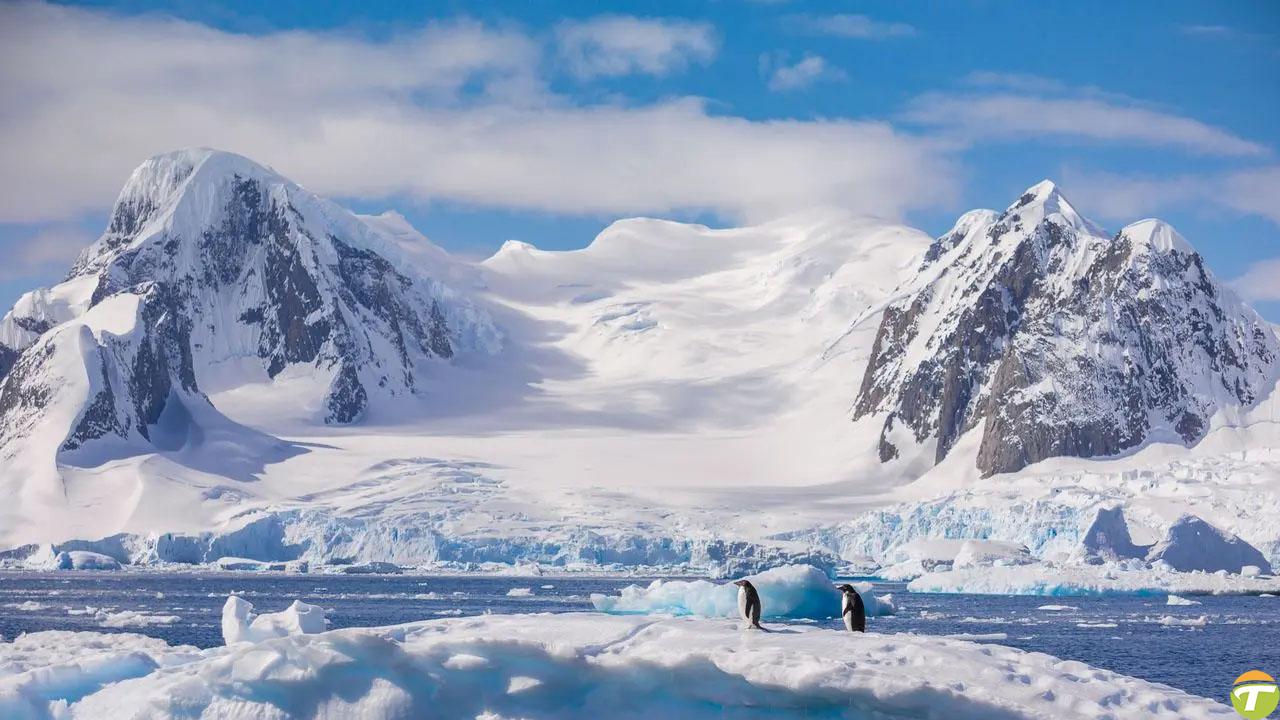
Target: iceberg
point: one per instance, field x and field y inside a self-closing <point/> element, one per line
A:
<point x="1108" y="539"/>
<point x="589" y="665"/>
<point x="1193" y="544"/>
<point x="791" y="591"/>
<point x="239" y="624"/>
<point x="71" y="560"/>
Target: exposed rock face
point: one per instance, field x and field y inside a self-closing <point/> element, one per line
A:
<point x="210" y="258"/>
<point x="1054" y="339"/>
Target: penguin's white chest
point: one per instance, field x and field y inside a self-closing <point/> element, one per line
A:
<point x="742" y="603"/>
<point x="846" y="612"/>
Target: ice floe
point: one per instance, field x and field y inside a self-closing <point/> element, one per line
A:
<point x="578" y="666"/>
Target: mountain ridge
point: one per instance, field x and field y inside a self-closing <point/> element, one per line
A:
<point x="996" y="308"/>
<point x="672" y="393"/>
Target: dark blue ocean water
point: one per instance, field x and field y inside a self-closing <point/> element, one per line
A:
<point x="1139" y="636"/>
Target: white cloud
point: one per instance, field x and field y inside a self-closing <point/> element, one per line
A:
<point x="622" y="45"/>
<point x="1009" y="116"/>
<point x="858" y="27"/>
<point x="1255" y="191"/>
<point x="1259" y="281"/>
<point x="783" y="75"/>
<point x="51" y="249"/>
<point x="455" y="111"/>
<point x="1207" y="30"/>
<point x="1128" y="197"/>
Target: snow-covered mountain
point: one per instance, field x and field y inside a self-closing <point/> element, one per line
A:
<point x="215" y="271"/>
<point x="1052" y="338"/>
<point x="240" y="368"/>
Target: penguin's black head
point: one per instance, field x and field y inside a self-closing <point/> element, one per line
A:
<point x="847" y="588"/>
<point x="742" y="583"/>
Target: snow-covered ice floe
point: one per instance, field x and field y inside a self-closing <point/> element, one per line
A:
<point x="1068" y="580"/>
<point x="240" y="624"/>
<point x="40" y="673"/>
<point x="791" y="591"/>
<point x="578" y="665"/>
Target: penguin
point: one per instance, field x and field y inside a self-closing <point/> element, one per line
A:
<point x="851" y="609"/>
<point x="748" y="603"/>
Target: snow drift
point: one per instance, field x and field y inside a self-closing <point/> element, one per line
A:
<point x="591" y="666"/>
<point x="795" y="591"/>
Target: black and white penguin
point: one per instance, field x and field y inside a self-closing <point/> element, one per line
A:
<point x="748" y="603"/>
<point x="851" y="609"/>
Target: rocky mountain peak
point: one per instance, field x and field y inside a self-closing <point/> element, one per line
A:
<point x="1045" y="335"/>
<point x="241" y="264"/>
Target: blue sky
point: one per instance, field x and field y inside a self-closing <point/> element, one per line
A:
<point x="545" y="121"/>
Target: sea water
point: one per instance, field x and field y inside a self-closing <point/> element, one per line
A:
<point x="1198" y="648"/>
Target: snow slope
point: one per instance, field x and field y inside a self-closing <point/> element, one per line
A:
<point x="587" y="665"/>
<point x="671" y="396"/>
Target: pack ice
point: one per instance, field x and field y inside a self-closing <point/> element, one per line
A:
<point x="576" y="665"/>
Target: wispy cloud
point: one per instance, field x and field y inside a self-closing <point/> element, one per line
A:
<point x="1207" y="30"/>
<point x="782" y="75"/>
<point x="1006" y="116"/>
<point x="1123" y="197"/>
<point x="859" y="27"/>
<point x="622" y="45"/>
<point x="51" y="249"/>
<point x="1258" y="282"/>
<point x="458" y="111"/>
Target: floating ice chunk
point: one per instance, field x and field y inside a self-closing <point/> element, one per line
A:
<point x="1057" y="608"/>
<point x="1179" y="600"/>
<point x="792" y="591"/>
<point x="979" y="637"/>
<point x="1171" y="621"/>
<point x="1251" y="571"/>
<point x="520" y="592"/>
<point x="240" y="625"/>
<point x="132" y="618"/>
